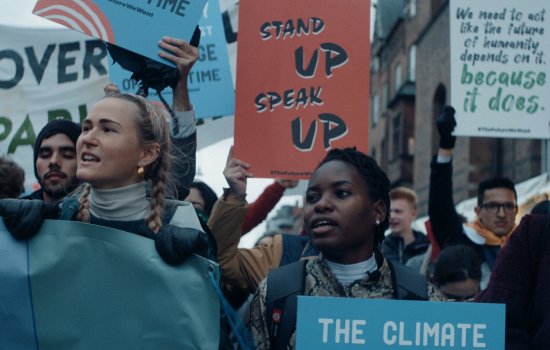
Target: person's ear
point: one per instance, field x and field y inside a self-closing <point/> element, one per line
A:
<point x="149" y="155"/>
<point x="477" y="209"/>
<point x="379" y="211"/>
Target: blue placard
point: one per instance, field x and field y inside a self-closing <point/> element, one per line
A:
<point x="134" y="25"/>
<point x="210" y="82"/>
<point x="377" y="324"/>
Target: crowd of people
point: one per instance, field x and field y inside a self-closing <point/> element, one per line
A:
<point x="131" y="163"/>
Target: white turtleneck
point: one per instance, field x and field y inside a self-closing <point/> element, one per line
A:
<point x="346" y="274"/>
<point x="120" y="204"/>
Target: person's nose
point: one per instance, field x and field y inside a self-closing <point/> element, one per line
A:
<point x="500" y="211"/>
<point x="88" y="138"/>
<point x="324" y="204"/>
<point x="55" y="159"/>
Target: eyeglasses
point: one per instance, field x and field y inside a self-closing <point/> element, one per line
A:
<point x="494" y="207"/>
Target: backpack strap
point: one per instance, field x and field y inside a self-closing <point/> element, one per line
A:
<point x="283" y="286"/>
<point x="407" y="283"/>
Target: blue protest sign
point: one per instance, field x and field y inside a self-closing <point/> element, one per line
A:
<point x="377" y="324"/>
<point x="210" y="82"/>
<point x="85" y="287"/>
<point x="136" y="26"/>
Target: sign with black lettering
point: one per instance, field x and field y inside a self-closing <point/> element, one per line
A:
<point x="378" y="324"/>
<point x="499" y="67"/>
<point x="302" y="83"/>
<point x="45" y="74"/>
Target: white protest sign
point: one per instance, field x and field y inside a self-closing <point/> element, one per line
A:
<point x="45" y="74"/>
<point x="499" y="67"/>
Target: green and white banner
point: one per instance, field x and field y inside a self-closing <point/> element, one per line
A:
<point x="45" y="74"/>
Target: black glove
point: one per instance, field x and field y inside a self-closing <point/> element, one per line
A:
<point x="174" y="244"/>
<point x="445" y="125"/>
<point x="23" y="217"/>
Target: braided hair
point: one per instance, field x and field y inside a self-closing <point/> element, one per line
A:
<point x="152" y="129"/>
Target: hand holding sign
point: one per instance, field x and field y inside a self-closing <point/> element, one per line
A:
<point x="184" y="56"/>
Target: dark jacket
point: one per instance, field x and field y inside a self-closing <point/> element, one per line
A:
<point x="394" y="249"/>
<point x="447" y="225"/>
<point x="521" y="280"/>
<point x="35" y="195"/>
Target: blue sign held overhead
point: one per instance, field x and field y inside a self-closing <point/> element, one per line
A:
<point x="210" y="82"/>
<point x="377" y="324"/>
<point x="133" y="25"/>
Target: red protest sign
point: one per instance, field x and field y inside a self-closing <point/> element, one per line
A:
<point x="302" y="83"/>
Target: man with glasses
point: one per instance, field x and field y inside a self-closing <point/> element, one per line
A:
<point x="496" y="204"/>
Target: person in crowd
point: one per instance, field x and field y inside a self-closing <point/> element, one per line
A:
<point x="54" y="150"/>
<point x="345" y="215"/>
<point x="520" y="280"/>
<point x="496" y="204"/>
<point x="266" y="201"/>
<point x="541" y="208"/>
<point x="55" y="160"/>
<point x="457" y="273"/>
<point x="243" y="269"/>
<point x="404" y="243"/>
<point x="203" y="198"/>
<point x="12" y="178"/>
<point x="125" y="145"/>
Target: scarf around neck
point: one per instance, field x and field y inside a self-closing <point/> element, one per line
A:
<point x="490" y="237"/>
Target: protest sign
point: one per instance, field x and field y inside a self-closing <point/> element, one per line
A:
<point x="45" y="74"/>
<point x="134" y="26"/>
<point x="302" y="83"/>
<point x="81" y="286"/>
<point x="210" y="82"/>
<point x="499" y="54"/>
<point x="377" y="324"/>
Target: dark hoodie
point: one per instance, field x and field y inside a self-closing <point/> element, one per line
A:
<point x="394" y="249"/>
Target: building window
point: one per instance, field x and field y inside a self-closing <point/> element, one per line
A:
<point x="374" y="110"/>
<point x="396" y="136"/>
<point x="375" y="64"/>
<point x="384" y="97"/>
<point x="410" y="10"/>
<point x="397" y="77"/>
<point x="412" y="63"/>
<point x="410" y="146"/>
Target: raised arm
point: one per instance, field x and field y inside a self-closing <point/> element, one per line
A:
<point x="182" y="124"/>
<point x="243" y="269"/>
<point x="445" y="221"/>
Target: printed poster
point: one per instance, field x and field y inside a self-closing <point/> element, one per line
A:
<point x="302" y="83"/>
<point x="378" y="324"/>
<point x="210" y="81"/>
<point x="499" y="68"/>
<point x="134" y="25"/>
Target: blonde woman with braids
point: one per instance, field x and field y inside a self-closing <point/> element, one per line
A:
<point x="125" y="146"/>
<point x="125" y="143"/>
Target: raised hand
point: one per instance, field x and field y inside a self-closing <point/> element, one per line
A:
<point x="236" y="174"/>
